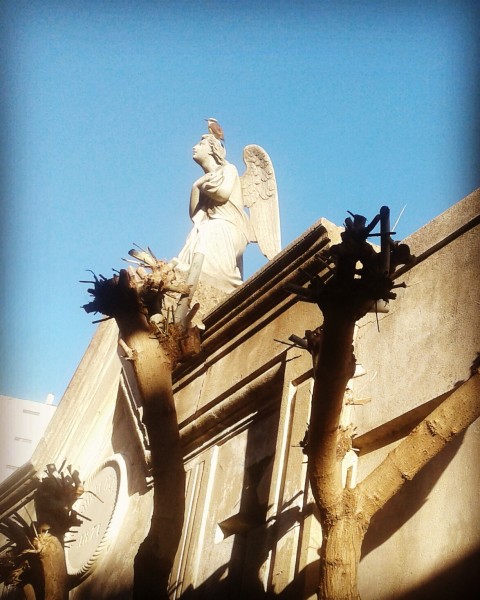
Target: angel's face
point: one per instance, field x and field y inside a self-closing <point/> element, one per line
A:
<point x="201" y="151"/>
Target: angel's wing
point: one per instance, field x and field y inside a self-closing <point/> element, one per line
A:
<point x="259" y="189"/>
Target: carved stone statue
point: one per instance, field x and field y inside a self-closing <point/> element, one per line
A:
<point x="221" y="227"/>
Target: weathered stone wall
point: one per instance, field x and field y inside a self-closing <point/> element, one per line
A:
<point x="243" y="412"/>
<point x="247" y="472"/>
<point x="241" y="420"/>
<point x="93" y="424"/>
<point x="425" y="346"/>
<point x="243" y="409"/>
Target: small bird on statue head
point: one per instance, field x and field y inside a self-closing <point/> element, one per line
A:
<point x="215" y="129"/>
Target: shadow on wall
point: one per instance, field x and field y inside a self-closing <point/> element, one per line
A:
<point x="239" y="578"/>
<point x="228" y="582"/>
<point x="214" y="589"/>
<point x="255" y="538"/>
<point x="410" y="499"/>
<point x="125" y="441"/>
<point x="462" y="580"/>
<point x="221" y="586"/>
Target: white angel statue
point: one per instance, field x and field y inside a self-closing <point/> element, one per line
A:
<point x="221" y="226"/>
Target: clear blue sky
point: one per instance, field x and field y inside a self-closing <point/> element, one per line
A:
<point x="358" y="103"/>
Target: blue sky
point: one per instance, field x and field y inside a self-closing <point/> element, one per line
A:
<point x="358" y="103"/>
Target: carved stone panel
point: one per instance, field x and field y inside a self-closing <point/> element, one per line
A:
<point x="102" y="507"/>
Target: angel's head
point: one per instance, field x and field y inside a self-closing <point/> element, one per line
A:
<point x="209" y="148"/>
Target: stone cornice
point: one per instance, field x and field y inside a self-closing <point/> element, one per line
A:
<point x="262" y="296"/>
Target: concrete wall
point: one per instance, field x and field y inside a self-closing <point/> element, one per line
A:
<point x="22" y="426"/>
<point x="243" y="407"/>
<point x="425" y="346"/>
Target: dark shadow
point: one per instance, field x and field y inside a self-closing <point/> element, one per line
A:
<point x="398" y="428"/>
<point x="125" y="440"/>
<point x="129" y="436"/>
<point x="296" y="588"/>
<point x="249" y="586"/>
<point x="254" y="540"/>
<point x="248" y="525"/>
<point x="411" y="497"/>
<point x="254" y="537"/>
<point x="462" y="580"/>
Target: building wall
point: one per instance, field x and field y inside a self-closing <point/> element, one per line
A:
<point x="420" y="351"/>
<point x="23" y="424"/>
<point x="243" y="409"/>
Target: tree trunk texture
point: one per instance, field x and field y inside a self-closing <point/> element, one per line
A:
<point x="48" y="578"/>
<point x="133" y="298"/>
<point x="29" y="592"/>
<point x="339" y="558"/>
<point x="54" y="568"/>
<point x="345" y="514"/>
<point x="334" y="366"/>
<point x="152" y="364"/>
<point x="453" y="416"/>
<point x="359" y="277"/>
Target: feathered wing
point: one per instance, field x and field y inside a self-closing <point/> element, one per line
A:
<point x="259" y="189"/>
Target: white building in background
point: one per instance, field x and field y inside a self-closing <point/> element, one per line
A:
<point x="22" y="425"/>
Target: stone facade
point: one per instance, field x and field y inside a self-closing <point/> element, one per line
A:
<point x="243" y="409"/>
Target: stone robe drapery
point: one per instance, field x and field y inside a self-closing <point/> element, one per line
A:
<point x="220" y="231"/>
